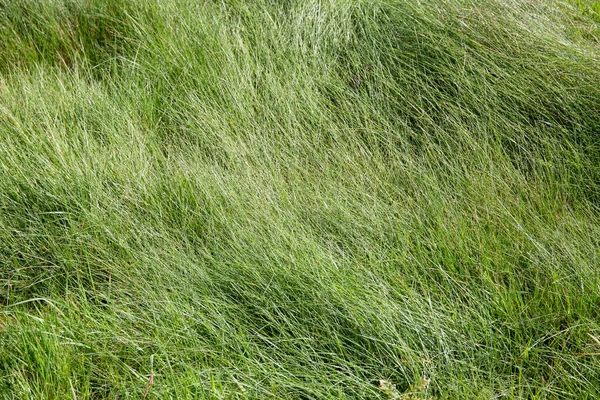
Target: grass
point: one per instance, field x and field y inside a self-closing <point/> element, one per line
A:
<point x="299" y="199"/>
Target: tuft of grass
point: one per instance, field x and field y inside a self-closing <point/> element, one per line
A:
<point x="299" y="199"/>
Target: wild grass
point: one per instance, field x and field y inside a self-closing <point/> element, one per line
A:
<point x="299" y="199"/>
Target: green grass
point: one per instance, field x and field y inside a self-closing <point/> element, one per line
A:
<point x="590" y="8"/>
<point x="295" y="199"/>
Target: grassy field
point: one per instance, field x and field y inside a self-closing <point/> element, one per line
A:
<point x="299" y="199"/>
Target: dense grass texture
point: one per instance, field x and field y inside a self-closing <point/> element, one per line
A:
<point x="299" y="199"/>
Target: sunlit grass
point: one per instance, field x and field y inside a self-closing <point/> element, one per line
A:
<point x="299" y="199"/>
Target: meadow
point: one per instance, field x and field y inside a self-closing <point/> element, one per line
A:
<point x="299" y="199"/>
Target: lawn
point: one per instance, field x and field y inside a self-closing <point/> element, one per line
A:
<point x="299" y="199"/>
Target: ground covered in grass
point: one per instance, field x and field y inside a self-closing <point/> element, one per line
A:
<point x="298" y="199"/>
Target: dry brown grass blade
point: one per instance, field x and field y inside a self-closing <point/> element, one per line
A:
<point x="150" y="380"/>
<point x="595" y="339"/>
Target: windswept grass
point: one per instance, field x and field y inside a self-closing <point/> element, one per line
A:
<point x="299" y="199"/>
